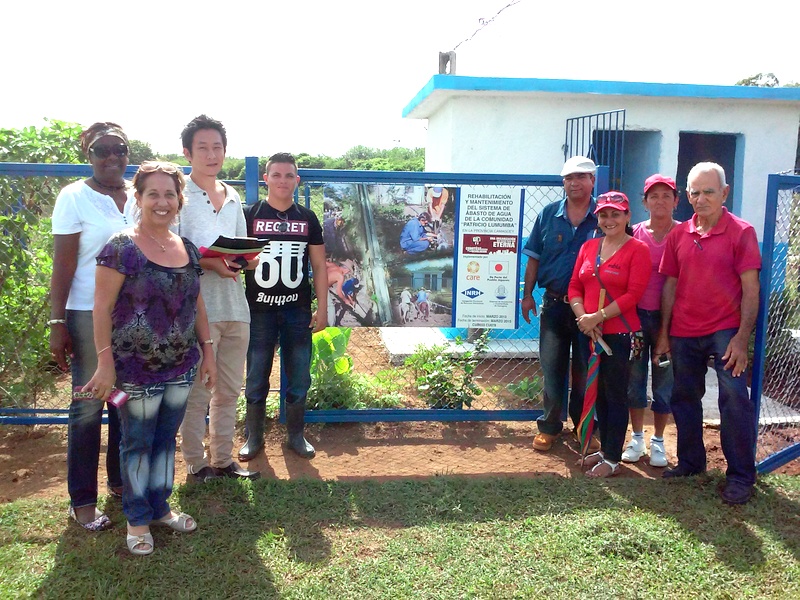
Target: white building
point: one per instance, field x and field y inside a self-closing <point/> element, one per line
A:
<point x="501" y="125"/>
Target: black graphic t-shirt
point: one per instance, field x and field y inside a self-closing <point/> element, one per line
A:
<point x="282" y="277"/>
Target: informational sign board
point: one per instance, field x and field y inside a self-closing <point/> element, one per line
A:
<point x="487" y="256"/>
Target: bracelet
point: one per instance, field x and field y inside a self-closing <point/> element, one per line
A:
<point x="99" y="352"/>
<point x="603" y="312"/>
<point x="208" y="342"/>
<point x="575" y="304"/>
<point x="57" y="322"/>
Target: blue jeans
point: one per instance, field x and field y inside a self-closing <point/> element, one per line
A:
<point x="558" y="333"/>
<point x="662" y="376"/>
<point x="150" y="421"/>
<point x="612" y="395"/>
<point x="736" y="409"/>
<point x="85" y="419"/>
<point x="290" y="328"/>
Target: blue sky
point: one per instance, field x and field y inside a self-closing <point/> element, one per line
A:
<point x="321" y="77"/>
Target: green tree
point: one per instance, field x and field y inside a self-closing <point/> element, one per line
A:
<point x="140" y="152"/>
<point x="760" y="80"/>
<point x="26" y="257"/>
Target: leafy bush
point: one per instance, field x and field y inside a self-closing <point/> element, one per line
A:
<point x="447" y="379"/>
<point x="334" y="385"/>
<point x="529" y="388"/>
<point x="26" y="258"/>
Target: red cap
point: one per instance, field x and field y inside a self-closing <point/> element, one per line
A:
<point x="612" y="199"/>
<point x="658" y="178"/>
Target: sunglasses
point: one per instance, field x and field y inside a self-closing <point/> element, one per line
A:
<point x="283" y="227"/>
<point x="611" y="198"/>
<point x="101" y="151"/>
<point x="164" y="167"/>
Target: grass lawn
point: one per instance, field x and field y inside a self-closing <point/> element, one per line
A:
<point x="442" y="537"/>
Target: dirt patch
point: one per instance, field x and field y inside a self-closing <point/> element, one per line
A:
<point x="33" y="459"/>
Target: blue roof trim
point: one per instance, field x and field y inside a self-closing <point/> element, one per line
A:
<point x="628" y="88"/>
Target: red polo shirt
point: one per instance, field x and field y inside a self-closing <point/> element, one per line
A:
<point x="708" y="267"/>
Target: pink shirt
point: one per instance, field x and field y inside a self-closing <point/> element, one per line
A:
<point x="624" y="275"/>
<point x="651" y="300"/>
<point x="708" y="296"/>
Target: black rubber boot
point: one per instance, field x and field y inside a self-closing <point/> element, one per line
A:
<point x="254" y="424"/>
<point x="295" y="421"/>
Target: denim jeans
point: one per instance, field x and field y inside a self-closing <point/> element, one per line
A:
<point x="612" y="395"/>
<point x="85" y="419"/>
<point x="662" y="376"/>
<point x="736" y="409"/>
<point x="558" y="333"/>
<point x="150" y="421"/>
<point x="290" y="328"/>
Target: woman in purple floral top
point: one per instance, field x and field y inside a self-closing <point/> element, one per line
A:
<point x="148" y="319"/>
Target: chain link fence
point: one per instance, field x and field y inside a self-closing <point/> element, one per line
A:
<point x="776" y="379"/>
<point x="27" y="376"/>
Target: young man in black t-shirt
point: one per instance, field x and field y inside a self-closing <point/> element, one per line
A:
<point x="279" y="295"/>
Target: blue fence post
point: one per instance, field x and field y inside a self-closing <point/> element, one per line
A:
<point x="251" y="179"/>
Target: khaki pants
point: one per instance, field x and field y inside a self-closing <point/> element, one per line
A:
<point x="230" y="348"/>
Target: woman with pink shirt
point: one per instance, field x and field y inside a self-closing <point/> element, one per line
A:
<point x="660" y="200"/>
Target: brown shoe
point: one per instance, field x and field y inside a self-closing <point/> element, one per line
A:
<point x="594" y="443"/>
<point x="543" y="442"/>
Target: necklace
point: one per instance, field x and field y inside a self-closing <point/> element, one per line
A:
<point x="112" y="188"/>
<point x="152" y="237"/>
<point x="613" y="252"/>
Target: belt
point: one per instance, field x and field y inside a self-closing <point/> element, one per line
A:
<point x="557" y="297"/>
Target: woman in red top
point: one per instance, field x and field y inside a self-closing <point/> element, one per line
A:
<point x="619" y="264"/>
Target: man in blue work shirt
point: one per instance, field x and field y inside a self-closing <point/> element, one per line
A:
<point x="560" y="230"/>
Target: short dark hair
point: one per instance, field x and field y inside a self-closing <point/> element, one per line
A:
<point x="198" y="123"/>
<point x="281" y="157"/>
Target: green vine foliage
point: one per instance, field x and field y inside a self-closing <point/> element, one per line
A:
<point x="26" y="258"/>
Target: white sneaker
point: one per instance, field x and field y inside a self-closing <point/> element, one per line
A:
<point x="634" y="450"/>
<point x="658" y="458"/>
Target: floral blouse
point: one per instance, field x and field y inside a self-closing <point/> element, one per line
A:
<point x="153" y="336"/>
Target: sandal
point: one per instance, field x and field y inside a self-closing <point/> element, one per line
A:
<point x="180" y="522"/>
<point x="591" y="460"/>
<point x="603" y="469"/>
<point x="101" y="521"/>
<point x="146" y="540"/>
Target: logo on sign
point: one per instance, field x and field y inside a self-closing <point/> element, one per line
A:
<point x="472" y="292"/>
<point x="500" y="292"/>
<point x="499" y="268"/>
<point x="473" y="266"/>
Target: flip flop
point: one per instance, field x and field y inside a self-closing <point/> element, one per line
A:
<point x="101" y="521"/>
<point x="145" y="539"/>
<point x="181" y="522"/>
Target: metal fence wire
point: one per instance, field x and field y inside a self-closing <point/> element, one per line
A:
<point x="417" y="372"/>
<point x="779" y="329"/>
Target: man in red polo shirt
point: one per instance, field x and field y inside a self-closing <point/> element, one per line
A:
<point x="709" y="306"/>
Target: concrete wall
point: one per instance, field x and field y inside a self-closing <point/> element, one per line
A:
<point x="511" y="132"/>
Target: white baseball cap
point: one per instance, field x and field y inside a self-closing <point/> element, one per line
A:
<point x="578" y="164"/>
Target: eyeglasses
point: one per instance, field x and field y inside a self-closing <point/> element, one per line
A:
<point x="164" y="167"/>
<point x="101" y="151"/>
<point x="283" y="227"/>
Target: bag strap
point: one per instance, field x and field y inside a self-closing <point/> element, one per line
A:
<point x="602" y="285"/>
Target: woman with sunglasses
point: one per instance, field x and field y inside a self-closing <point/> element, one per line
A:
<point x="151" y="328"/>
<point x="608" y="280"/>
<point x="85" y="215"/>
